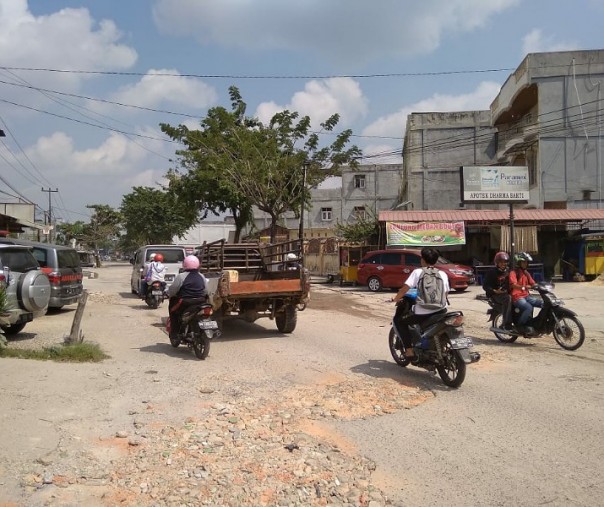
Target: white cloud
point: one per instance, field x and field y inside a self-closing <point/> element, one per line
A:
<point x="393" y="125"/>
<point x="102" y="174"/>
<point x="320" y="99"/>
<point x="362" y="29"/>
<point x="153" y="89"/>
<point x="68" y="38"/>
<point x="536" y="42"/>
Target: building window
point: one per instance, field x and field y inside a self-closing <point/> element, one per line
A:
<point x="359" y="212"/>
<point x="326" y="214"/>
<point x="359" y="181"/>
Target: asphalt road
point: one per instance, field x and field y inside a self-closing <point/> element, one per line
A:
<point x="524" y="429"/>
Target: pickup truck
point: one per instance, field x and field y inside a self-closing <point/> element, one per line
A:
<point x="253" y="280"/>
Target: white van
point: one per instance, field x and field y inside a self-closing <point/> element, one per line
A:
<point x="173" y="257"/>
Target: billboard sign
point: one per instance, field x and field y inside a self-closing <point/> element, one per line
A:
<point x="504" y="184"/>
<point x="416" y="234"/>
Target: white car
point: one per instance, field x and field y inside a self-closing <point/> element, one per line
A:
<point x="173" y="257"/>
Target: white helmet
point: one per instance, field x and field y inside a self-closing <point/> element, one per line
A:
<point x="291" y="256"/>
<point x="152" y="257"/>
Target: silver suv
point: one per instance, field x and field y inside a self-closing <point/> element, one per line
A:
<point x="27" y="288"/>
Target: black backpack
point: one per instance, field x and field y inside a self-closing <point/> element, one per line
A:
<point x="431" y="294"/>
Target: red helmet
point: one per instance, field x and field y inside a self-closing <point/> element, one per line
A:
<point x="159" y="258"/>
<point x="501" y="257"/>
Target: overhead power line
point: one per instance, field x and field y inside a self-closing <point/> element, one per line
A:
<point x="299" y="76"/>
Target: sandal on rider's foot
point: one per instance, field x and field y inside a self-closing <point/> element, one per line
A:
<point x="409" y="354"/>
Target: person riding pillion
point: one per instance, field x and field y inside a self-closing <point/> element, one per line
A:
<point x="432" y="289"/>
<point x="496" y="285"/>
<point x="156" y="272"/>
<point x="143" y="291"/>
<point x="520" y="283"/>
<point x="188" y="288"/>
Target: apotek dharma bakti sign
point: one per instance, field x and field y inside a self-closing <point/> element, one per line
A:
<point x="506" y="184"/>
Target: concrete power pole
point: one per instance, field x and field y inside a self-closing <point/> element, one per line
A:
<point x="50" y="211"/>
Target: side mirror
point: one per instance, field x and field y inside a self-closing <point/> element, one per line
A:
<point x="132" y="260"/>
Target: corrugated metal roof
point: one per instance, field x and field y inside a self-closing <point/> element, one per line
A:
<point x="532" y="215"/>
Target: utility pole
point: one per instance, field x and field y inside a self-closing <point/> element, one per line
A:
<point x="50" y="190"/>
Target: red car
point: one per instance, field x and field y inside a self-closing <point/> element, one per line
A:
<point x="388" y="269"/>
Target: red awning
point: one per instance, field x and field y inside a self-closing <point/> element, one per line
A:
<point x="493" y="216"/>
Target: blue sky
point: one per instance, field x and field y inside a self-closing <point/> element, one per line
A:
<point x="371" y="62"/>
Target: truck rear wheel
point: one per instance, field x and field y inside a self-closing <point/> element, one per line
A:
<point x="287" y="319"/>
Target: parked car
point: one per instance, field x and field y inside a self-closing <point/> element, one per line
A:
<point x="27" y="287"/>
<point x="62" y="266"/>
<point x="388" y="269"/>
<point x="173" y="257"/>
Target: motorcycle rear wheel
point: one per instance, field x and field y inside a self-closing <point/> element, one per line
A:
<point x="201" y="343"/>
<point x="152" y="302"/>
<point x="569" y="332"/>
<point x="453" y="372"/>
<point x="502" y="337"/>
<point x="396" y="350"/>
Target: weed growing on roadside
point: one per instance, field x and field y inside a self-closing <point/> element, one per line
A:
<point x="73" y="353"/>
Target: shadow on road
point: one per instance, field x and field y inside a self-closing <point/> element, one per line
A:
<point x="165" y="349"/>
<point x="408" y="376"/>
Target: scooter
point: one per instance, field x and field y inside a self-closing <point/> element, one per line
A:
<point x="552" y="318"/>
<point x="198" y="328"/>
<point x="439" y="343"/>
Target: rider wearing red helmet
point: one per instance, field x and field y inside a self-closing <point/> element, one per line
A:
<point x="187" y="289"/>
<point x="496" y="285"/>
<point x="156" y="272"/>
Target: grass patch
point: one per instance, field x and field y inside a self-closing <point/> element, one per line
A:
<point x="73" y="353"/>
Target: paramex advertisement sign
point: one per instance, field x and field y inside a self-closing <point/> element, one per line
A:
<point x="506" y="184"/>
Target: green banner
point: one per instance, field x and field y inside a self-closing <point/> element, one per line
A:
<point x="425" y="233"/>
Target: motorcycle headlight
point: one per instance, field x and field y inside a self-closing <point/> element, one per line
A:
<point x="553" y="299"/>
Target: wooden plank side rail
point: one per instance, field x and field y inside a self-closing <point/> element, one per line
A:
<point x="264" y="287"/>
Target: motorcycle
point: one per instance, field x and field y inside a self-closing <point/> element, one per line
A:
<point x="552" y="318"/>
<point x="439" y="344"/>
<point x="155" y="294"/>
<point x="198" y="328"/>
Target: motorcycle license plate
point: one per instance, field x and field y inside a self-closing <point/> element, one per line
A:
<point x="208" y="324"/>
<point x="157" y="292"/>
<point x="461" y="343"/>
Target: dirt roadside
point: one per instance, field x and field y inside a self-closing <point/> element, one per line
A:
<point x="99" y="434"/>
<point x="127" y="430"/>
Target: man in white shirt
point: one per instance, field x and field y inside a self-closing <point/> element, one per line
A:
<point x="422" y="309"/>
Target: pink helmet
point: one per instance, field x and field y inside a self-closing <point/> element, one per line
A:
<point x="190" y="263"/>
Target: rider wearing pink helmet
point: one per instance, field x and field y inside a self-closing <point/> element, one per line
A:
<point x="188" y="288"/>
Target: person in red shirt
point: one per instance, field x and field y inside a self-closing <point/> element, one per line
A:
<point x="520" y="283"/>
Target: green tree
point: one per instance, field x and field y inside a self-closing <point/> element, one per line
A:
<point x="68" y="231"/>
<point x="365" y="229"/>
<point x="152" y="216"/>
<point x="104" y="228"/>
<point x="235" y="162"/>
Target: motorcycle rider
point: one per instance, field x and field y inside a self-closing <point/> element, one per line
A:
<point x="429" y="257"/>
<point x="156" y="272"/>
<point x="496" y="286"/>
<point x="188" y="288"/>
<point x="143" y="291"/>
<point x="520" y="283"/>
